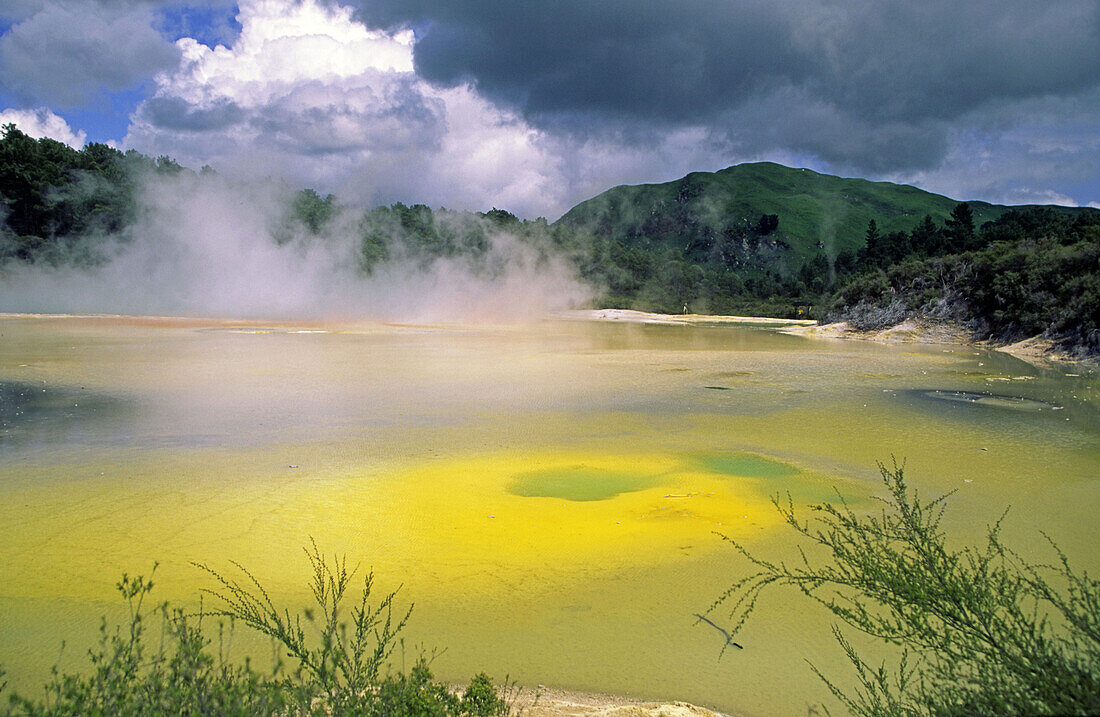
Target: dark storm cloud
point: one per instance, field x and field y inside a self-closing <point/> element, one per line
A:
<point x="67" y="53"/>
<point x="837" y="137"/>
<point x="856" y="82"/>
<point x="18" y="10"/>
<point x="616" y="58"/>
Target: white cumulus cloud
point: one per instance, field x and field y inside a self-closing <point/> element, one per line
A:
<point x="308" y="94"/>
<point x="42" y="122"/>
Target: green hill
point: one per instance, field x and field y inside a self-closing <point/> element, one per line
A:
<point x="816" y="212"/>
<point x="739" y="238"/>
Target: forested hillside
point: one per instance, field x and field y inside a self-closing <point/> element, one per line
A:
<point x="59" y="205"/>
<point x="1033" y="271"/>
<point x="754" y="239"/>
<point x="757" y="237"/>
<point x="55" y="198"/>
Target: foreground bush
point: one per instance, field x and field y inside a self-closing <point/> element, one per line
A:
<point x="337" y="665"/>
<point x="981" y="631"/>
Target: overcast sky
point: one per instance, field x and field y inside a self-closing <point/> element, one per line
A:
<point x="533" y="106"/>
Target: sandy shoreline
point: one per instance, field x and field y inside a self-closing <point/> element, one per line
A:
<point x="912" y="331"/>
<point x="548" y="702"/>
<point x="1035" y="349"/>
<point x="646" y="317"/>
<point x="908" y="331"/>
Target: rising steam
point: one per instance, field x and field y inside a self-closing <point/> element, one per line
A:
<point x="203" y="245"/>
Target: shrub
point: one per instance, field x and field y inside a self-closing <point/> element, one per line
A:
<point x="981" y="631"/>
<point x="866" y="316"/>
<point x="129" y="677"/>
<point x="481" y="698"/>
<point x="338" y="669"/>
<point x="343" y="665"/>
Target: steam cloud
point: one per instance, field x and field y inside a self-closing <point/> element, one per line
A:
<point x="206" y="246"/>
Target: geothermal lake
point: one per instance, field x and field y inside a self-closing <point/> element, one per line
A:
<point x="548" y="495"/>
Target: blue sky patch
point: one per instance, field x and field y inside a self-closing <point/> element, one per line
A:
<point x="210" y="25"/>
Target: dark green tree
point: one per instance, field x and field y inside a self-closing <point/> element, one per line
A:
<point x="844" y="263"/>
<point x="814" y="274"/>
<point x="884" y="249"/>
<point x="926" y="238"/>
<point x="959" y="229"/>
<point x="502" y="218"/>
<point x="166" y="165"/>
<point x="768" y="223"/>
<point x="873" y="244"/>
<point x="313" y="210"/>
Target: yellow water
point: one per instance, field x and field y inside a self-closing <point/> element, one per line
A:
<point x="549" y="496"/>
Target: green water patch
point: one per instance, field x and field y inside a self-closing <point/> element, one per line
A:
<point x="773" y="477"/>
<point x="745" y="465"/>
<point x="579" y="483"/>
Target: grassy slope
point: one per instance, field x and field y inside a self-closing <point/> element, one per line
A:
<point x="814" y="209"/>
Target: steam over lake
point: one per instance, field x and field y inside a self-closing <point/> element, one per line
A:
<point x="547" y="494"/>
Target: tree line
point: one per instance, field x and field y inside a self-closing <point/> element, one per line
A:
<point x="1033" y="270"/>
<point x="52" y="196"/>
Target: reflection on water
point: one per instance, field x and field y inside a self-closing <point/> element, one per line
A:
<point x="37" y="413"/>
<point x="549" y="495"/>
<point x="990" y="400"/>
